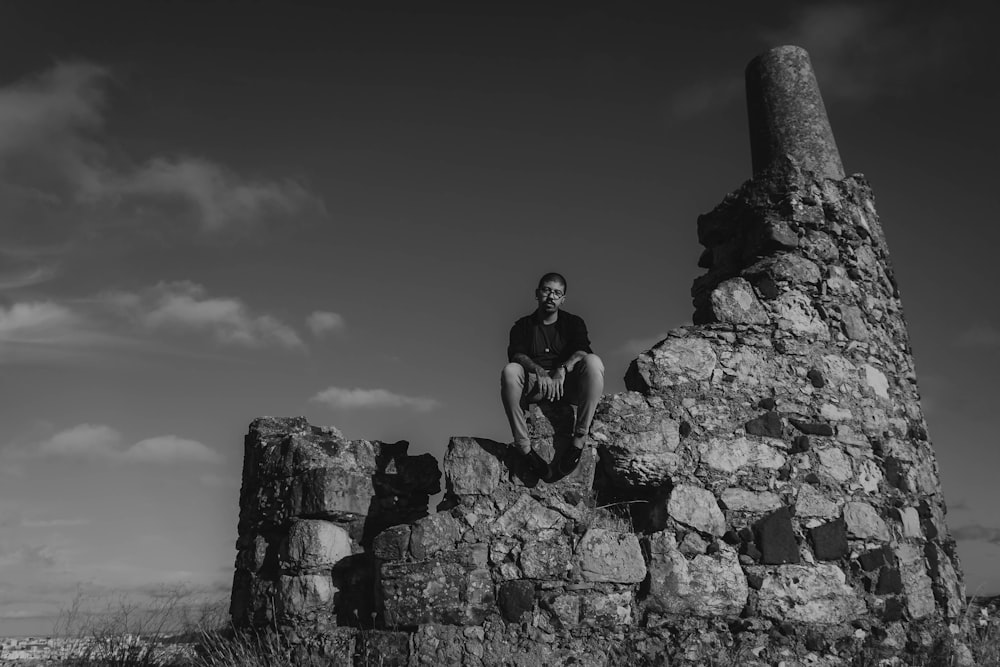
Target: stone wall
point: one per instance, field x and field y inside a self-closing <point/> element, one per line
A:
<point x="765" y="490"/>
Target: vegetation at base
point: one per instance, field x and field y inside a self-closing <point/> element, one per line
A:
<point x="180" y="630"/>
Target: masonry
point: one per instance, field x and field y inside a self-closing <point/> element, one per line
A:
<point x="764" y="490"/>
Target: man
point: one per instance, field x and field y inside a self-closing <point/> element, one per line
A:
<point x="550" y="358"/>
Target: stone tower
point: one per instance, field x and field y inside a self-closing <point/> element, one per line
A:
<point x="764" y="491"/>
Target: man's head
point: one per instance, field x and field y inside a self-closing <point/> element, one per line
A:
<point x="550" y="293"/>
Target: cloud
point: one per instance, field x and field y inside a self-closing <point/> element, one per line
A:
<point x="83" y="441"/>
<point x="858" y="50"/>
<point x="101" y="442"/>
<point x="38" y="322"/>
<point x="976" y="533"/>
<point x="694" y="100"/>
<point x="52" y="143"/>
<point x="351" y="399"/>
<point x="184" y="306"/>
<point x="168" y="449"/>
<point x="979" y="336"/>
<point x="322" y="322"/>
<point x="26" y="277"/>
<point x="635" y="346"/>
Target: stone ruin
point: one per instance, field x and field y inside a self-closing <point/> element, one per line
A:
<point x="765" y="490"/>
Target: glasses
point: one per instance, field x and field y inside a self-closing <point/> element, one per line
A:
<point x="545" y="291"/>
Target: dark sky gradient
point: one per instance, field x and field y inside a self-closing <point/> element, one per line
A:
<point x="182" y="184"/>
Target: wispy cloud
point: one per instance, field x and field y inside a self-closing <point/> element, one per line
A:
<point x="859" y="51"/>
<point x="976" y="533"/>
<point x="979" y="336"/>
<point x="351" y="399"/>
<point x="185" y="306"/>
<point x="52" y="142"/>
<point x="863" y="51"/>
<point x="101" y="442"/>
<point x="26" y="277"/>
<point x="322" y="322"/>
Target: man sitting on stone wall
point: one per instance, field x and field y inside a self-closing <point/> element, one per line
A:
<point x="550" y="358"/>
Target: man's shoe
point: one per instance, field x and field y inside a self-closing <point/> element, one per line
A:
<point x="535" y="463"/>
<point x="569" y="460"/>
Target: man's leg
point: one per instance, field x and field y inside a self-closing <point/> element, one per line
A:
<point x="590" y="388"/>
<point x="587" y="385"/>
<point x="515" y="385"/>
<point x="512" y="382"/>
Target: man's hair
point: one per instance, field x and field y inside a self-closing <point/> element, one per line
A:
<point x="552" y="277"/>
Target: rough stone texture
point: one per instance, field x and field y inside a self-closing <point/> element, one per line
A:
<point x="605" y="555"/>
<point x="311" y="502"/>
<point x="698" y="508"/>
<point x="764" y="486"/>
<point x="704" y="586"/>
<point x="787" y="116"/>
<point x="809" y="594"/>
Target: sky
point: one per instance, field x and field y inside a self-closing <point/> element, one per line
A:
<point x="214" y="211"/>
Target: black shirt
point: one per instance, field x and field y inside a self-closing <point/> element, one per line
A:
<point x="548" y="345"/>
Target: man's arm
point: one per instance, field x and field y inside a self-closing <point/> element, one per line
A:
<point x="529" y="364"/>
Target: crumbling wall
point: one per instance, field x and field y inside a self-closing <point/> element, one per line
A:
<point x="765" y="490"/>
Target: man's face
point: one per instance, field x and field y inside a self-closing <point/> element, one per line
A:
<point x="550" y="296"/>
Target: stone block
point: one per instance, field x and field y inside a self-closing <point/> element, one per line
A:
<point x="527" y="516"/>
<point x="566" y="609"/>
<point x="768" y="425"/>
<point x="916" y="583"/>
<point x="776" y="539"/>
<point x="545" y="559"/>
<point x="611" y="556"/>
<point x="473" y="466"/>
<point x="638" y="441"/>
<point x="795" y="314"/>
<point x="696" y="507"/>
<point x="835" y="463"/>
<point x="313" y="543"/>
<point x="432" y="534"/>
<point x="732" y="454"/>
<point x="604" y="610"/>
<point x="864" y="522"/>
<point x="331" y="493"/>
<point x="809" y="594"/>
<point x="702" y="586"/>
<point x="392" y="543"/>
<point x="457" y="591"/>
<point x="742" y="500"/>
<point x="910" y="521"/>
<point x="890" y="582"/>
<point x="672" y="362"/>
<point x="734" y="301"/>
<point x="516" y="598"/>
<point x="811" y="428"/>
<point x="810" y="502"/>
<point x="829" y="540"/>
<point x="299" y="595"/>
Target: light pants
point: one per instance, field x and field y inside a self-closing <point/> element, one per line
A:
<point x="582" y="387"/>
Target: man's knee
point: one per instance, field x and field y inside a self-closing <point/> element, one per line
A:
<point x="512" y="375"/>
<point x="592" y="362"/>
